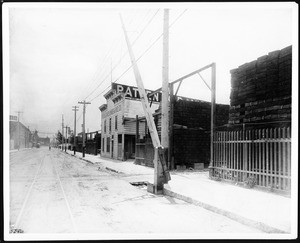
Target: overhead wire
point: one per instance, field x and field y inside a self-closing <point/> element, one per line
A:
<point x="104" y="62"/>
<point x="148" y="23"/>
<point x="109" y="53"/>
<point x="68" y="98"/>
<point x="151" y="45"/>
<point x="106" y="57"/>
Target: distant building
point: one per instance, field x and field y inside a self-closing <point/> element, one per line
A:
<point x="92" y="142"/>
<point x="18" y="138"/>
<point x="44" y="141"/>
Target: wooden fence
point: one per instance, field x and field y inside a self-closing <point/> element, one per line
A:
<point x="263" y="155"/>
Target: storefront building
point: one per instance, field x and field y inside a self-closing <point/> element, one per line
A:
<point x="122" y="106"/>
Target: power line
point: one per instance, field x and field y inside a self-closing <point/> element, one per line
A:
<point x="151" y="45"/>
<point x="105" y="62"/>
<point x="109" y="53"/>
<point x="148" y="23"/>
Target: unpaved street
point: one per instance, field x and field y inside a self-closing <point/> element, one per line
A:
<point x="52" y="192"/>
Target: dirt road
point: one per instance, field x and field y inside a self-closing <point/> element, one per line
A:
<point x="52" y="192"/>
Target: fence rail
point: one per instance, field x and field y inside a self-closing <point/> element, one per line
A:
<point x="263" y="155"/>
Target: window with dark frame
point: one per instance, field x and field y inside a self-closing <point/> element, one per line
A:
<point x="109" y="124"/>
<point x="108" y="145"/>
<point x="116" y="122"/>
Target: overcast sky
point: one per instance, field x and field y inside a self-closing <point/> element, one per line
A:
<point x="62" y="54"/>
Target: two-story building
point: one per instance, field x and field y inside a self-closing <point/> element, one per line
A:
<point x="122" y="106"/>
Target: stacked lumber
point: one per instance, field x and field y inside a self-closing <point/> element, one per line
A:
<point x="261" y="89"/>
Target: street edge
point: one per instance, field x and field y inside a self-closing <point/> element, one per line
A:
<point x="238" y="218"/>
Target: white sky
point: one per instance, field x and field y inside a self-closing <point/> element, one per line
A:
<point x="60" y="53"/>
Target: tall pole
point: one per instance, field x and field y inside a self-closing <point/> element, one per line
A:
<point x="83" y="126"/>
<point x="19" y="142"/>
<point x="66" y="140"/>
<point x="165" y="84"/>
<point x="75" y="108"/>
<point x="161" y="174"/>
<point x="62" y="133"/>
<point x="212" y="118"/>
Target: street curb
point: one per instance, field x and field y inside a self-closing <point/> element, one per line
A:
<point x="79" y="158"/>
<point x="249" y="222"/>
<point x="119" y="172"/>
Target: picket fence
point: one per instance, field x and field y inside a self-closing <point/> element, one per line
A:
<point x="262" y="156"/>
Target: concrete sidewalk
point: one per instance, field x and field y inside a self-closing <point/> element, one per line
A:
<point x="265" y="211"/>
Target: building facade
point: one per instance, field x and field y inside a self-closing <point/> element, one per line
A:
<point x="19" y="135"/>
<point x="117" y="129"/>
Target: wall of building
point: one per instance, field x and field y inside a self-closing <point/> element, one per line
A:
<point x="109" y="131"/>
<point x="126" y="109"/>
<point x="261" y="90"/>
<point x="191" y="130"/>
<point x="24" y="138"/>
<point x="191" y="133"/>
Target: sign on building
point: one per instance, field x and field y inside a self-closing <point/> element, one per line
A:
<point x="133" y="92"/>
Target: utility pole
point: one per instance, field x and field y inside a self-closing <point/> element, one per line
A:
<point x="83" y="126"/>
<point x="161" y="173"/>
<point x="212" y="117"/>
<point x="62" y="133"/>
<point x="66" y="140"/>
<point x="165" y="85"/>
<point x="75" y="108"/>
<point x="19" y="112"/>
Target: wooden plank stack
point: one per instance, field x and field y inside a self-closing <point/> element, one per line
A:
<point x="261" y="89"/>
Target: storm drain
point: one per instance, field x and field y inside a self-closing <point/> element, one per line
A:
<point x="140" y="184"/>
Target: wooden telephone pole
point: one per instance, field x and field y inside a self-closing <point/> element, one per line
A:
<point x="165" y="84"/>
<point x="83" y="126"/>
<point x="161" y="173"/>
<point x="66" y="140"/>
<point x="75" y="108"/>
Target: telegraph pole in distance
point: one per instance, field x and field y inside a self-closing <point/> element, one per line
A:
<point x="75" y="108"/>
<point x="19" y="112"/>
<point x="62" y="133"/>
<point x="83" y="132"/>
<point x="66" y="138"/>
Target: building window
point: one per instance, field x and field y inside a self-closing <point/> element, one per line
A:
<point x="116" y="122"/>
<point x="109" y="124"/>
<point x="102" y="145"/>
<point x="107" y="145"/>
<point x="104" y="126"/>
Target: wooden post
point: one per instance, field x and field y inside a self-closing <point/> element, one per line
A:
<point x="149" y="117"/>
<point x="165" y="84"/>
<point x="171" y="121"/>
<point x="75" y="108"/>
<point x="123" y="146"/>
<point x="62" y="132"/>
<point x="83" y="126"/>
<point x="137" y="138"/>
<point x="212" y="118"/>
